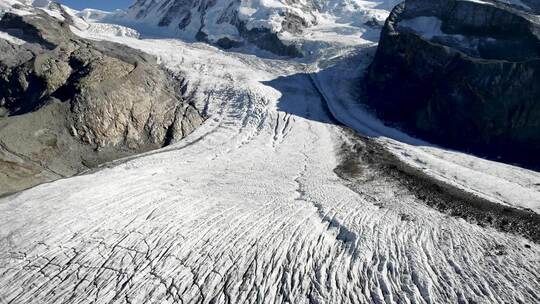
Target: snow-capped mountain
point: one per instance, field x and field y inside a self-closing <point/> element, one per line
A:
<point x="270" y="24"/>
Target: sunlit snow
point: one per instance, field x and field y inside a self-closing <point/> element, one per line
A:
<point x="248" y="208"/>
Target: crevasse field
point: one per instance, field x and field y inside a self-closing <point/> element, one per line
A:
<point x="249" y="208"/>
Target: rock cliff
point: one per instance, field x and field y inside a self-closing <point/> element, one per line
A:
<point x="463" y="74"/>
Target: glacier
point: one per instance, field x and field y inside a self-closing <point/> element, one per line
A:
<point x="277" y="198"/>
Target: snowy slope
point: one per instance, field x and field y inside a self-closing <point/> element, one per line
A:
<point x="237" y="23"/>
<point x="248" y="208"/>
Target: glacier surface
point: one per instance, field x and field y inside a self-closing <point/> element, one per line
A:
<point x="249" y="207"/>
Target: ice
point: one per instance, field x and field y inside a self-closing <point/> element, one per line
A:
<point x="106" y="29"/>
<point x="249" y="208"/>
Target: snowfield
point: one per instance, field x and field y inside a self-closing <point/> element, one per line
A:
<point x="249" y="208"/>
<point x="219" y="19"/>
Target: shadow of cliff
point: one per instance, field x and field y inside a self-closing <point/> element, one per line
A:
<point x="300" y="97"/>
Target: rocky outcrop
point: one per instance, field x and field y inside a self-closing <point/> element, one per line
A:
<point x="67" y="104"/>
<point x="463" y="74"/>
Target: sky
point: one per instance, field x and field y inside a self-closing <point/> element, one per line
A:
<point x="107" y="5"/>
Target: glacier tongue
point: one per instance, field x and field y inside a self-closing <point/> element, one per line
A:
<point x="248" y="208"/>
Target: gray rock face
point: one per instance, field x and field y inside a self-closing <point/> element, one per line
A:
<point x="462" y="74"/>
<point x="68" y="104"/>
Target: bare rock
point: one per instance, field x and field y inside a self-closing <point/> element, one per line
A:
<point x="462" y="74"/>
<point x="68" y="104"/>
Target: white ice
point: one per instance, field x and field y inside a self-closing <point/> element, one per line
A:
<point x="248" y="208"/>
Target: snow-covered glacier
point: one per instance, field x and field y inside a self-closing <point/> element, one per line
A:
<point x="290" y="192"/>
<point x="289" y="28"/>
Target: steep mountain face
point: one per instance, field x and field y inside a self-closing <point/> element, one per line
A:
<point x="464" y="74"/>
<point x="68" y="104"/>
<point x="276" y="26"/>
<point x="229" y="23"/>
